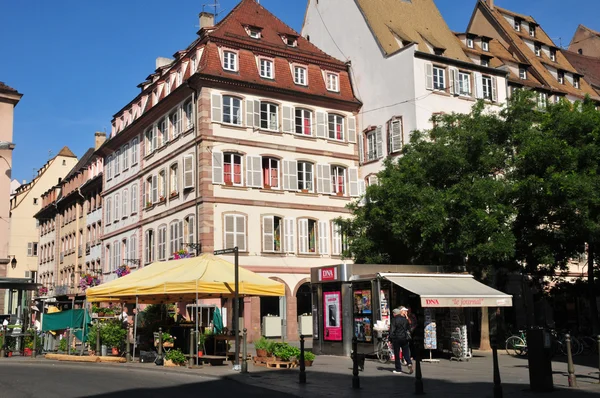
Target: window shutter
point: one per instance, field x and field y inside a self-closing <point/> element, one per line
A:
<point x="361" y="187"/>
<point x="429" y="75"/>
<point x="229" y="232"/>
<point x="217" y="167"/>
<point x="452" y="81"/>
<point x="361" y="148"/>
<point x="303" y="235"/>
<point x="288" y="119"/>
<point x="268" y="237"/>
<point x="240" y="229"/>
<point x="321" y="125"/>
<point x="327" y="188"/>
<point x="478" y="85"/>
<point x="188" y="172"/>
<point x="336" y="239"/>
<point x="396" y="135"/>
<point x="29" y="249"/>
<point x="494" y="88"/>
<point x="288" y="235"/>
<point x="154" y="189"/>
<point x="353" y="179"/>
<point x="256" y="113"/>
<point x="290" y="175"/>
<point x="323" y="237"/>
<point x="249" y="113"/>
<point x="217" y="112"/>
<point x="351" y="129"/>
<point x="379" y="142"/>
<point x="254" y="171"/>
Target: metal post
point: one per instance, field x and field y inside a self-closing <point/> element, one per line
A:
<point x="192" y="351"/>
<point x="570" y="367"/>
<point x="68" y="341"/>
<point x="128" y="344"/>
<point x="497" y="381"/>
<point x="135" y="323"/>
<point x="355" y="379"/>
<point x="418" y="343"/>
<point x="34" y="352"/>
<point x="302" y="364"/>
<point x="3" y="348"/>
<point x="245" y="351"/>
<point x="599" y="358"/>
<point x="236" y="311"/>
<point x="160" y="351"/>
<point x="98" y="348"/>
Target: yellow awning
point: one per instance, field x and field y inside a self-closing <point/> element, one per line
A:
<point x="181" y="280"/>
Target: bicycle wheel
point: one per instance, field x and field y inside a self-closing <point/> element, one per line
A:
<point x="383" y="352"/>
<point x="590" y="345"/>
<point x="576" y="346"/>
<point x="515" y="346"/>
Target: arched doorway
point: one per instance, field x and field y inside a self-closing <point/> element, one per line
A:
<point x="304" y="300"/>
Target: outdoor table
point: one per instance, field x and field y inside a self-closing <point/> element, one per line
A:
<point x="222" y="337"/>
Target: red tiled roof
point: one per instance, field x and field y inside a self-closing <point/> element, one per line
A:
<point x="589" y="67"/>
<point x="6" y="88"/>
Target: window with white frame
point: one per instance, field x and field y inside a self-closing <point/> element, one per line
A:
<point x="188" y="109"/>
<point x="230" y="61"/>
<point x="303" y="121"/>
<point x="133" y="248"/>
<point x="194" y="64"/>
<point x="134" y="151"/>
<point x="307" y="236"/>
<point x="254" y="32"/>
<point x="189" y="235"/>
<point x="270" y="169"/>
<point x="542" y="100"/>
<point x="487" y="87"/>
<point x="108" y="168"/>
<point x="336" y="127"/>
<point x="439" y="78"/>
<point x="553" y="54"/>
<point x="272" y="234"/>
<point x="124" y="203"/>
<point x="333" y="82"/>
<point x="232" y="168"/>
<point x="108" y="211"/>
<point x="338" y="179"/>
<point x="269" y="116"/>
<point x="162" y="185"/>
<point x="531" y="30"/>
<point x="464" y="83"/>
<point x="117" y="163"/>
<point x="116" y="255"/>
<point x="300" y="75"/>
<point x="161" y="253"/>
<point x="163" y="130"/>
<point x="371" y="138"/>
<point x="522" y="73"/>
<point x="174" y="179"/>
<point x="576" y="82"/>
<point x="232" y="110"/>
<point x="117" y="207"/>
<point x="125" y="154"/>
<point x="235" y="231"/>
<point x="485" y="61"/>
<point x="470" y="42"/>
<point x="517" y="24"/>
<point x="561" y="77"/>
<point x="305" y="176"/>
<point x="266" y="68"/>
<point x="149" y="246"/>
<point x="150" y="140"/>
<point x="175" y="123"/>
<point x="134" y="199"/>
<point x="538" y="50"/>
<point x="485" y="44"/>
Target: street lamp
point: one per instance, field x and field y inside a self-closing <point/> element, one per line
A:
<point x="7" y="145"/>
<point x="72" y="280"/>
<point x="13" y="263"/>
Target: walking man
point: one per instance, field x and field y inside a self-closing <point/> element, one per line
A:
<point x="399" y="333"/>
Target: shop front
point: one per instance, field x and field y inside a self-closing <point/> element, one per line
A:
<point x="352" y="300"/>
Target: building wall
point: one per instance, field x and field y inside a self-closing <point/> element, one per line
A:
<point x="586" y="42"/>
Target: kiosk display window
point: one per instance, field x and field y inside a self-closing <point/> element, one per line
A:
<point x="363" y="315"/>
<point x="332" y="324"/>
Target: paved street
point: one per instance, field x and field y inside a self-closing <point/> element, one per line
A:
<point x="329" y="377"/>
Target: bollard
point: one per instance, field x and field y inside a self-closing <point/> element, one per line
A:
<point x="160" y="347"/>
<point x="128" y="345"/>
<point x="98" y="348"/>
<point x="418" y="374"/>
<point x="244" y="351"/>
<point x="497" y="382"/>
<point x="355" y="379"/>
<point x="2" y="348"/>
<point x="302" y="363"/>
<point x="570" y="367"/>
<point x="192" y="351"/>
<point x="68" y="337"/>
<point x="34" y="352"/>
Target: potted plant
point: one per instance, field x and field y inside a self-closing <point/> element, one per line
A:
<point x="175" y="357"/>
<point x="148" y="204"/>
<point x="285" y="352"/>
<point x="304" y="190"/>
<point x="62" y="345"/>
<point x="201" y="341"/>
<point x="88" y="280"/>
<point x="168" y="340"/>
<point x="309" y="357"/>
<point x="123" y="270"/>
<point x="174" y="193"/>
<point x="182" y="253"/>
<point x="112" y="334"/>
<point x="262" y="346"/>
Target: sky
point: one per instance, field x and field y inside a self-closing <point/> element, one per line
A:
<point x="78" y="62"/>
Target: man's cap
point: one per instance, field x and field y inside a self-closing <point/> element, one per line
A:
<point x="396" y="311"/>
<point x="403" y="309"/>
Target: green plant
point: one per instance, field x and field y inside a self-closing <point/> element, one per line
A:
<point x="285" y="352"/>
<point x="95" y="308"/>
<point x="262" y="344"/>
<point x="62" y="346"/>
<point x="92" y="336"/>
<point x="201" y="339"/>
<point x="167" y="338"/>
<point x="175" y="356"/>
<point x="112" y="334"/>
<point x="28" y="339"/>
<point x="309" y="356"/>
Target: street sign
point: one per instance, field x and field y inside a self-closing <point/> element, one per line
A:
<point x="225" y="251"/>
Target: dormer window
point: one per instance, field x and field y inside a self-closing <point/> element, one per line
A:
<point x="561" y="77"/>
<point x="553" y="54"/>
<point x="576" y="81"/>
<point x="531" y="30"/>
<point x="522" y="73"/>
<point x="538" y="50"/>
<point x="469" y="42"/>
<point x="485" y="61"/>
<point x="253" y="32"/>
<point x="333" y="82"/>
<point x="517" y="24"/>
<point x="289" y="40"/>
<point x="485" y="45"/>
<point x="266" y="68"/>
<point x="230" y="61"/>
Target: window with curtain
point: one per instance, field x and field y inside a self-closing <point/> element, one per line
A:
<point x="270" y="168"/>
<point x="232" y="168"/>
<point x="336" y="127"/>
<point x="338" y="179"/>
<point x="303" y="121"/>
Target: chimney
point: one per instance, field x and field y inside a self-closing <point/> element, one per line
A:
<point x="491" y="4"/>
<point x="207" y="20"/>
<point x="162" y="61"/>
<point x="100" y="138"/>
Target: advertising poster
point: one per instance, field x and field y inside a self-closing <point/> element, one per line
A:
<point x="362" y="329"/>
<point x="384" y="307"/>
<point x="430" y="342"/>
<point x="332" y="324"/>
<point x="362" y="302"/>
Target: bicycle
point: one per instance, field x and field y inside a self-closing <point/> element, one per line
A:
<point x="516" y="345"/>
<point x="384" y="352"/>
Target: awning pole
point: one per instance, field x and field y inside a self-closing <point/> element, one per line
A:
<point x="135" y="326"/>
<point x="197" y="335"/>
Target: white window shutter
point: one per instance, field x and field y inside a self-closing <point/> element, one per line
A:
<point x="303" y="235"/>
<point x="456" y="81"/>
<point x="478" y="85"/>
<point x="290" y="175"/>
<point x="351" y="129"/>
<point x="229" y="231"/>
<point x="361" y="148"/>
<point x="268" y="234"/>
<point x="494" y="88"/>
<point x="217" y="108"/>
<point x="321" y="125"/>
<point x="288" y="235"/>
<point x="323" y="237"/>
<point x="288" y="119"/>
<point x="249" y="113"/>
<point x="254" y="171"/>
<point x="327" y="187"/>
<point x="29" y="249"/>
<point x="154" y="189"/>
<point x="217" y="167"/>
<point x="396" y="135"/>
<point x="361" y="187"/>
<point x="353" y="179"/>
<point x="286" y="173"/>
<point x="429" y="75"/>
<point x="320" y="178"/>
<point x="256" y="114"/>
<point x="188" y="171"/>
<point x="379" y="142"/>
<point x="453" y="81"/>
<point x="240" y="230"/>
<point x="336" y="239"/>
